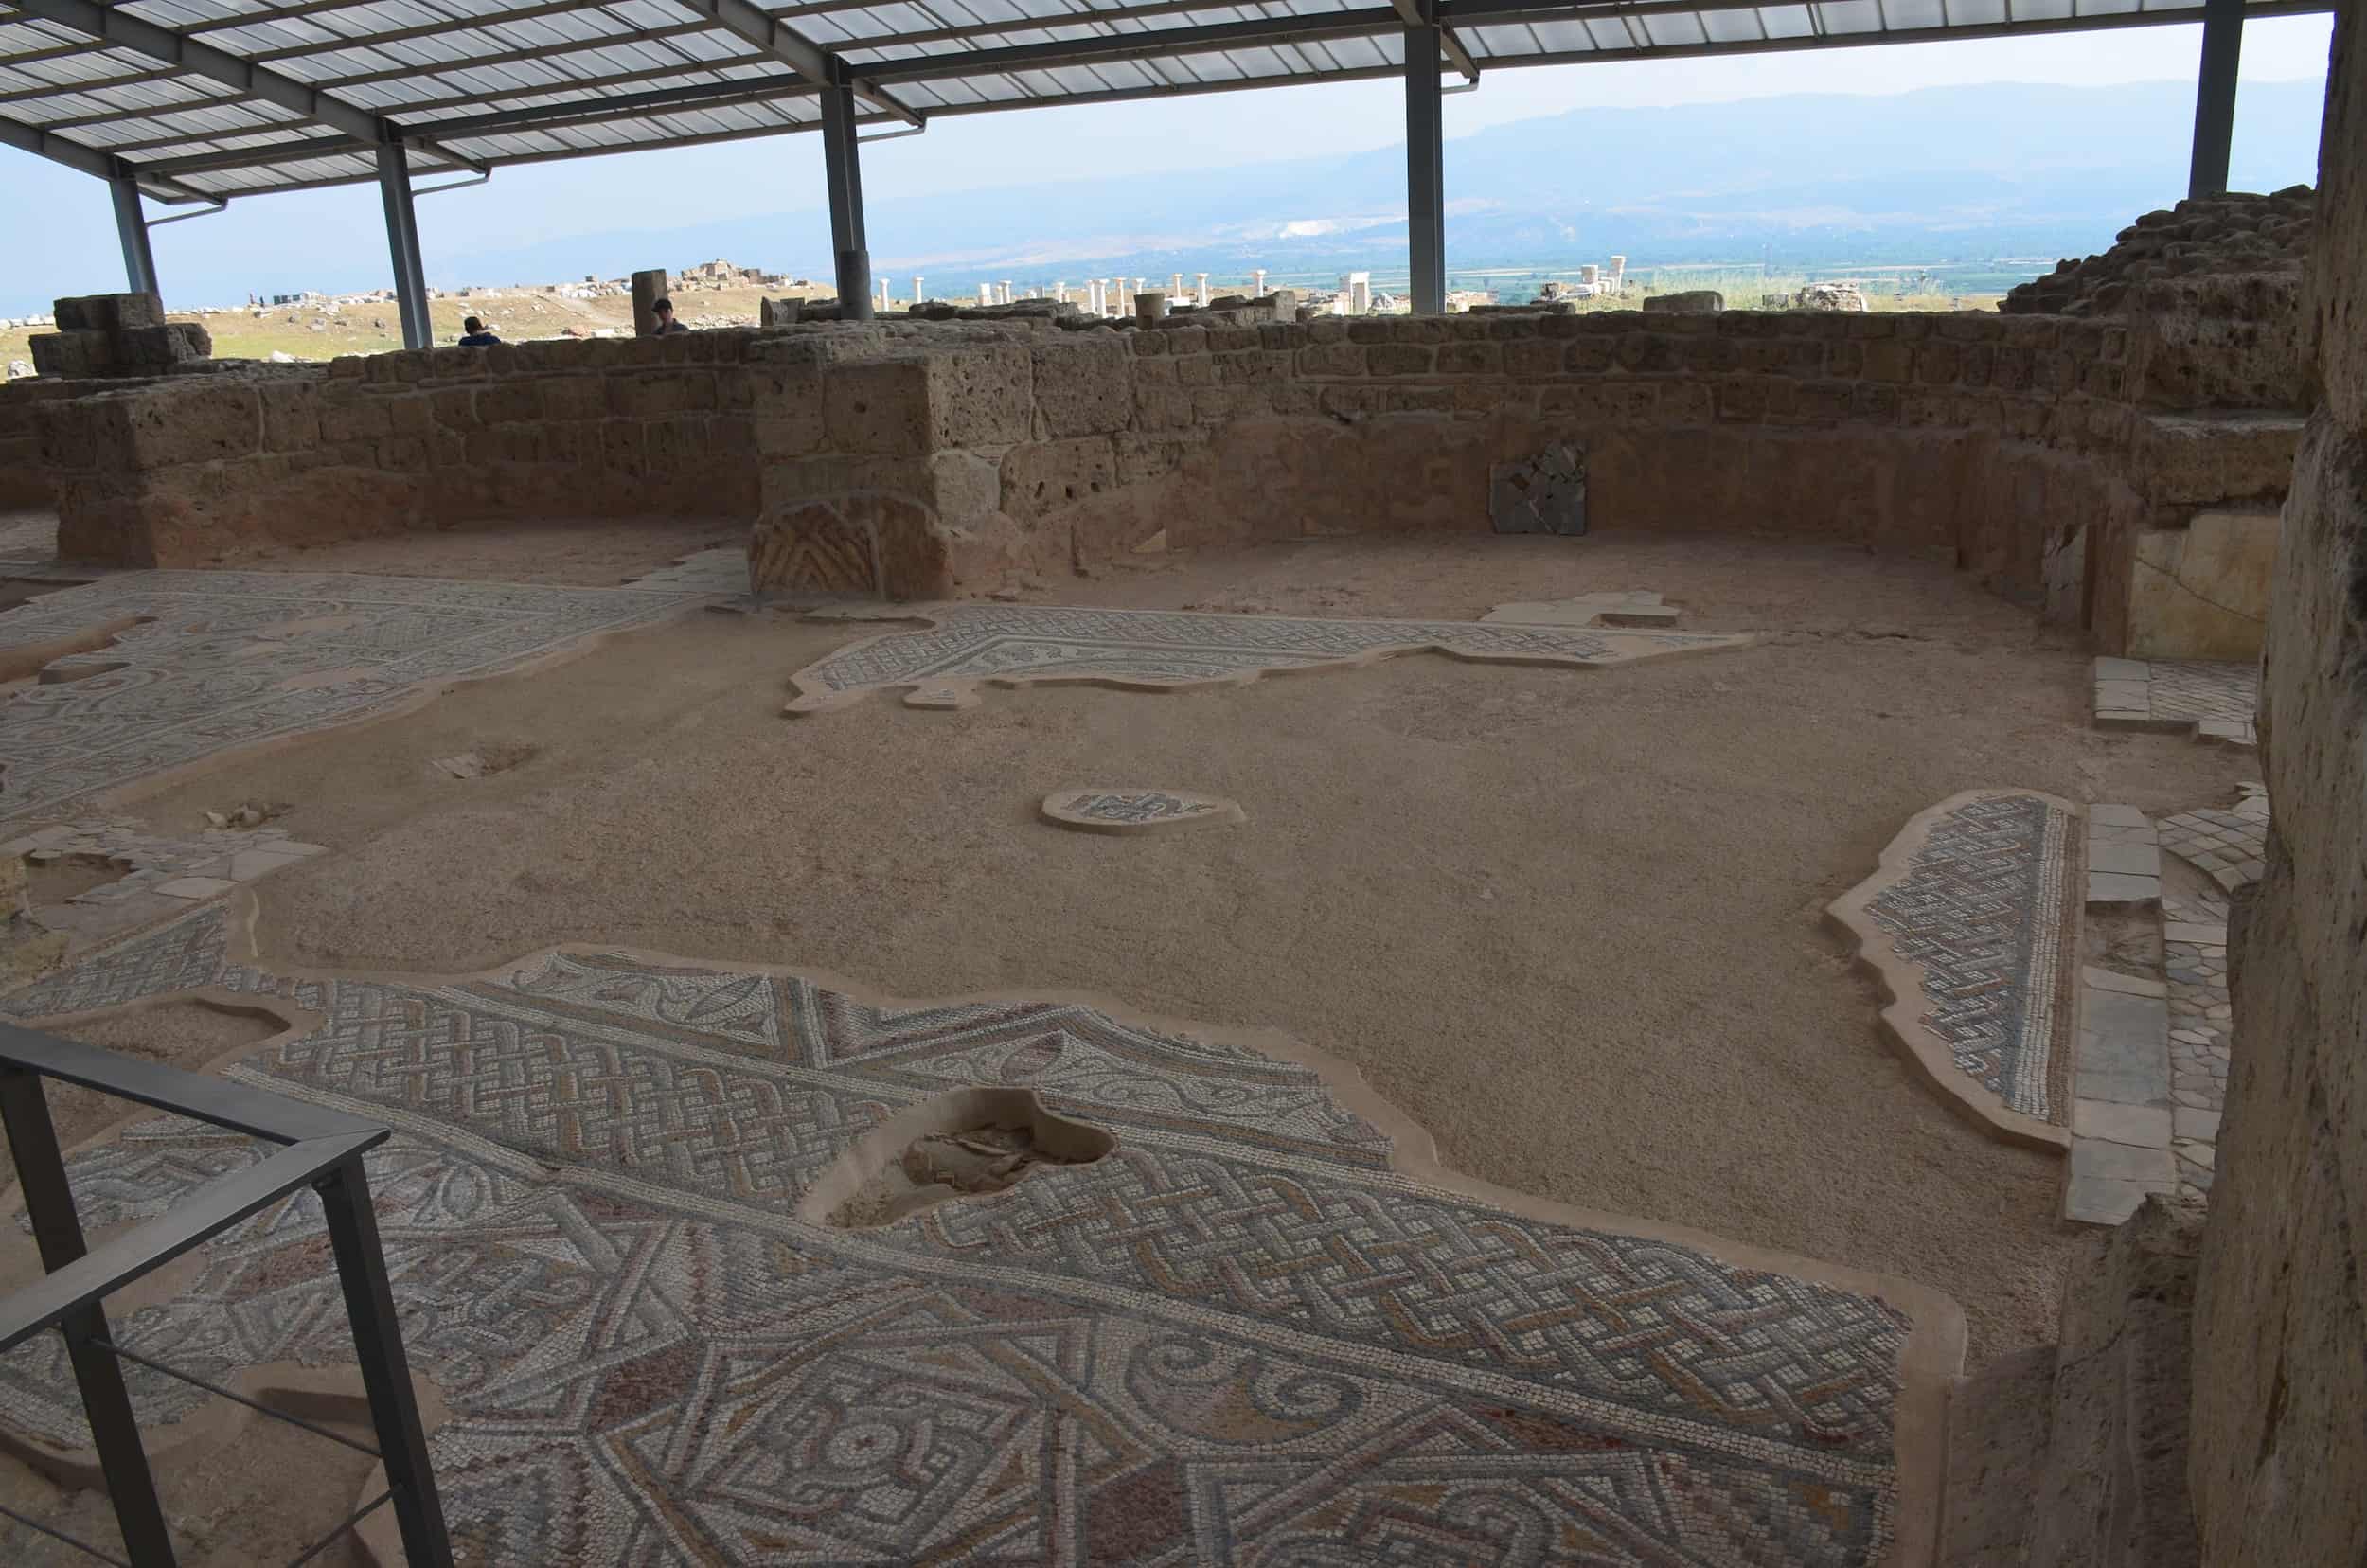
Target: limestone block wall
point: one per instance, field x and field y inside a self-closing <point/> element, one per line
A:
<point x="190" y="471"/>
<point x="2281" y="1305"/>
<point x="24" y="478"/>
<point x="952" y="456"/>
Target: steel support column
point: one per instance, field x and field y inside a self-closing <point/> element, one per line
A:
<point x="2215" y="95"/>
<point x="402" y="242"/>
<point x="1425" y="165"/>
<point x="139" y="263"/>
<point x="841" y="170"/>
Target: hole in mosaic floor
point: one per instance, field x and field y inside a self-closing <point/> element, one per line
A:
<point x="30" y="659"/>
<point x="968" y="1144"/>
<point x="484" y="761"/>
<point x="185" y="1033"/>
<point x="54" y="882"/>
<point x="60" y="674"/>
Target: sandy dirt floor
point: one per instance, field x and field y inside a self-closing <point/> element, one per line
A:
<point x="1570" y="921"/>
<point x="178" y="1034"/>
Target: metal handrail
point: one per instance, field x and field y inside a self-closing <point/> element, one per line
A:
<point x="321" y="1149"/>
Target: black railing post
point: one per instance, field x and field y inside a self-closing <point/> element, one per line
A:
<point x="114" y="1431"/>
<point x="386" y="1371"/>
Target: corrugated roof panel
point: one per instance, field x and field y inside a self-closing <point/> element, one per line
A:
<point x="1851" y="16"/>
<point x="1733" y="27"/>
<point x="422" y="61"/>
<point x="1675" y="30"/>
<point x="1788" y="21"/>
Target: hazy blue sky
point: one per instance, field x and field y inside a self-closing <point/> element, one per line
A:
<point x="62" y="236"/>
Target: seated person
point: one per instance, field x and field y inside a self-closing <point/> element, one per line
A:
<point x="476" y="336"/>
<point x="664" y="311"/>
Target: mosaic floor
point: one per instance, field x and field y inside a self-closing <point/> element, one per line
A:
<point x="212" y="660"/>
<point x="1242" y="1337"/>
<point x="160" y="877"/>
<point x="1970" y="922"/>
<point x="969" y="645"/>
<point x="2193" y="950"/>
<point x="2212" y="702"/>
<point x="2228" y="845"/>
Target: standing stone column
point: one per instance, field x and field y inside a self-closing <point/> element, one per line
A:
<point x="1150" y="307"/>
<point x="648" y="289"/>
<point x="1200" y="298"/>
<point x="917" y="295"/>
<point x="1257" y="291"/>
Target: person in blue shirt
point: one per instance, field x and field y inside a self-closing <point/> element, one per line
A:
<point x="476" y="336"/>
<point x="666" y="325"/>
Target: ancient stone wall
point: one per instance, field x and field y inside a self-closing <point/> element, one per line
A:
<point x="970" y="451"/>
<point x="2279" y="1442"/>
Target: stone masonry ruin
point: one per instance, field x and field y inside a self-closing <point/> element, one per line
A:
<point x="2056" y="457"/>
<point x="1190" y="1289"/>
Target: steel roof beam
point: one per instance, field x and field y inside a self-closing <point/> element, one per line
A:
<point x="618" y="105"/>
<point x="1410" y="12"/>
<point x="533" y="52"/>
<point x="445" y="28"/>
<point x="89" y="160"/>
<point x="1011" y="25"/>
<point x="796" y="51"/>
<point x="122" y="29"/>
<point x="558" y="89"/>
<point x="154" y="112"/>
<point x="67" y="89"/>
<point x="1134" y="46"/>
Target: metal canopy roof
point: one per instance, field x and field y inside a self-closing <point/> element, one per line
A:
<point x="210" y="100"/>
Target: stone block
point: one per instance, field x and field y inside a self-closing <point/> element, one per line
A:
<point x="509" y="401"/>
<point x="194" y="419"/>
<point x="1044" y="476"/>
<point x="967" y="488"/>
<point x="2202" y="592"/>
<point x="72" y="355"/>
<point x="290" y="411"/>
<point x="2145" y="1126"/>
<point x="985" y="397"/>
<point x="879" y="407"/>
<point x="1401" y="359"/>
<point x="1082" y="383"/>
<point x="2136" y="859"/>
<point x="1686" y="302"/>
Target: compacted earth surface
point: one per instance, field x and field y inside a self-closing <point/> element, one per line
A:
<point x="1567" y="920"/>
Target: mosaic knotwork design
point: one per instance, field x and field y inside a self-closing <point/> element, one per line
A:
<point x="968" y="644"/>
<point x="206" y="661"/>
<point x="1972" y="905"/>
<point x="1150" y="807"/>
<point x="1240" y="1337"/>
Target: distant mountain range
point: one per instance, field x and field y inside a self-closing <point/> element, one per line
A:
<point x="1943" y="174"/>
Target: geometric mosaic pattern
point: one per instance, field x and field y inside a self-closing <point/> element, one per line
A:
<point x="967" y="645"/>
<point x="2212" y="701"/>
<point x="1978" y="914"/>
<point x="223" y="659"/>
<point x="1240" y="1337"/>
<point x="2229" y="845"/>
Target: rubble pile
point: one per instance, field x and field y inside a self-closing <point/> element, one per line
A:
<point x="2204" y="236"/>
